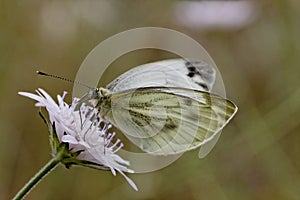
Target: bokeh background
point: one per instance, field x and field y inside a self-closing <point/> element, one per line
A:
<point x="256" y="47"/>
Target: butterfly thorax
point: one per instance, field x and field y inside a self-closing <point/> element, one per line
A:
<point x="100" y="99"/>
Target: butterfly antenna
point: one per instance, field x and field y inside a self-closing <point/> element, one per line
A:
<point x="63" y="78"/>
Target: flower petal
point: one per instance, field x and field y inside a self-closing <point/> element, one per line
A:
<point x="69" y="139"/>
<point x="82" y="131"/>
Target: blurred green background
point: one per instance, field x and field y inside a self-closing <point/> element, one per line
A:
<point x="257" y="51"/>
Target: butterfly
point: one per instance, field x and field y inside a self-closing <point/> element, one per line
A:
<point x="165" y="107"/>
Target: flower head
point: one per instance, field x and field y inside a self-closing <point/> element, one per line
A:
<point x="78" y="126"/>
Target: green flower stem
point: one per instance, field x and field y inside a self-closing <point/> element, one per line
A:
<point x="38" y="176"/>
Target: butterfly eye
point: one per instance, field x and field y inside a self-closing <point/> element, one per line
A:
<point x="97" y="93"/>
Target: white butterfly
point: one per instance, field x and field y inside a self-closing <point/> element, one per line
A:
<point x="165" y="107"/>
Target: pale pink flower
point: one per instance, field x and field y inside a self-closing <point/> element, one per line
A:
<point x="79" y="126"/>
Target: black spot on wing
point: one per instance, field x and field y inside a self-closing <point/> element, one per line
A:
<point x="191" y="68"/>
<point x="201" y="69"/>
<point x="203" y="85"/>
<point x="191" y="74"/>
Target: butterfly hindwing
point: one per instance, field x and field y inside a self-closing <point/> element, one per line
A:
<point x="162" y="121"/>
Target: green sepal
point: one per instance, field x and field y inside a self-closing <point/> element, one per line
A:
<point x="71" y="159"/>
<point x="44" y="118"/>
<point x="89" y="164"/>
<point x="53" y="139"/>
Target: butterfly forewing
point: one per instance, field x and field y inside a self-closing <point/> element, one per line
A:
<point x="162" y="121"/>
<point x="183" y="73"/>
